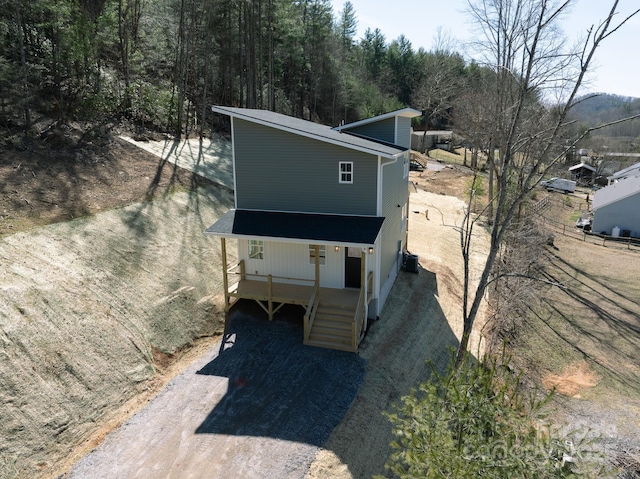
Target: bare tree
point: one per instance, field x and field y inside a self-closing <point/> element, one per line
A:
<point x="524" y="48"/>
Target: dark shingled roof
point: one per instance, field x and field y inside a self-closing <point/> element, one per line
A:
<point x="349" y="229"/>
<point x="311" y="130"/>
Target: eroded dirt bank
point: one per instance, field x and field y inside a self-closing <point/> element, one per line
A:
<point x="85" y="307"/>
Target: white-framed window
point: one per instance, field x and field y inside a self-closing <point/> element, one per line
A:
<point x="407" y="162"/>
<point x="256" y="249"/>
<point x="345" y="172"/>
<point x="322" y="254"/>
<point x="405" y="216"/>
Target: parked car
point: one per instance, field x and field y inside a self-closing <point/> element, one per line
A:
<point x="584" y="224"/>
<point x="560" y="184"/>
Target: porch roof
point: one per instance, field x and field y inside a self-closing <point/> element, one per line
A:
<point x="298" y="227"/>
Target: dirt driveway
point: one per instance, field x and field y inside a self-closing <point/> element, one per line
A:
<point x="259" y="404"/>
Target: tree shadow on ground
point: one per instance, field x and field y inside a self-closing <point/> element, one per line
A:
<point x="278" y="387"/>
<point x="412" y="331"/>
<point x="608" y="335"/>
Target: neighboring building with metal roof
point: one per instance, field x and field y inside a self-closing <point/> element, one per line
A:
<point x="582" y="172"/>
<point x="616" y="208"/>
<point x="632" y="170"/>
<point x="320" y="217"/>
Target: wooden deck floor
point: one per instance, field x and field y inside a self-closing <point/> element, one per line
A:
<point x="293" y="293"/>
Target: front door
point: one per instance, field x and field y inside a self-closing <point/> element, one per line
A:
<point x="352" y="267"/>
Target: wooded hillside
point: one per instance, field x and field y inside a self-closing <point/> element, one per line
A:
<point x="599" y="109"/>
<point x="163" y="62"/>
<point x="160" y="64"/>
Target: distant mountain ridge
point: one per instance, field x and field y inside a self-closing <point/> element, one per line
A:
<point x="600" y="108"/>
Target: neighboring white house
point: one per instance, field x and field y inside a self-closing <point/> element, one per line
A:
<point x="616" y="208"/>
<point x="630" y="171"/>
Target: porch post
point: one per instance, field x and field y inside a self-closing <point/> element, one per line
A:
<point x="225" y="279"/>
<point x="270" y="294"/>
<point x="317" y="254"/>
<point x="363" y="286"/>
<point x="363" y="269"/>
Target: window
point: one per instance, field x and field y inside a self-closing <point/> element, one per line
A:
<point x="322" y="254"/>
<point x="405" y="216"/>
<point x="256" y="249"/>
<point x="346" y="172"/>
<point x="407" y="161"/>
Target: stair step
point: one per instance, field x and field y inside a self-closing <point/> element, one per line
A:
<point x="332" y="322"/>
<point x="331" y="327"/>
<point x="330" y="345"/>
<point x="330" y="332"/>
<point x="327" y="335"/>
<point x="338" y="312"/>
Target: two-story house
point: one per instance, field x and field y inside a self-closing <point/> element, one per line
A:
<point x="320" y="218"/>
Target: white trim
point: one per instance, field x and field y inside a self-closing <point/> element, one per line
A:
<point x="348" y="173"/>
<point x="259" y="244"/>
<point x="275" y="239"/>
<point x="323" y="257"/>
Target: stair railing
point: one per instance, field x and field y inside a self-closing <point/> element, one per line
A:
<point x="358" y="321"/>
<point x="310" y="313"/>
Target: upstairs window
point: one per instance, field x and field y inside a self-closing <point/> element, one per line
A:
<point x="407" y="163"/>
<point x="322" y="254"/>
<point x="256" y="249"/>
<point x="346" y="172"/>
<point x="405" y="216"/>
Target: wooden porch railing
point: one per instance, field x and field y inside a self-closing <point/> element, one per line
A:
<point x="238" y="269"/>
<point x="358" y="318"/>
<point x="312" y="308"/>
<point x="264" y="293"/>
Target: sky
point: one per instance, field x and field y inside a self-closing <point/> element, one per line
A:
<point x="617" y="61"/>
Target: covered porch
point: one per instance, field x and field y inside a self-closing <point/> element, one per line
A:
<point x="334" y="317"/>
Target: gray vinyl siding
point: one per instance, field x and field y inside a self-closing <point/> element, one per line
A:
<point x="395" y="191"/>
<point x="404" y="132"/>
<point x="384" y="130"/>
<point x="625" y="214"/>
<point x="281" y="171"/>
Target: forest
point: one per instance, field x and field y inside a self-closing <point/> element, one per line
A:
<point x="162" y="63"/>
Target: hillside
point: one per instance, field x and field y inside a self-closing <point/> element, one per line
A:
<point x="94" y="308"/>
<point x="604" y="108"/>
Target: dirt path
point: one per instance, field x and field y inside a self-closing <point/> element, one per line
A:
<point x="268" y="408"/>
<point x="209" y="159"/>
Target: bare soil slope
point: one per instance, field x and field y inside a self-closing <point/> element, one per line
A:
<point x="91" y="309"/>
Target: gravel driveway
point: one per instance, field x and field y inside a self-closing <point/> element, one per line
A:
<point x="258" y="405"/>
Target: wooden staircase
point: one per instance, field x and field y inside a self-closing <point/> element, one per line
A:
<point x="333" y="328"/>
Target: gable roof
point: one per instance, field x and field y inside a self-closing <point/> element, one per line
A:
<point x="616" y="192"/>
<point x="311" y="130"/>
<point x="307" y="227"/>
<point x="405" y="112"/>
<point x="625" y="172"/>
<point x="582" y="165"/>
